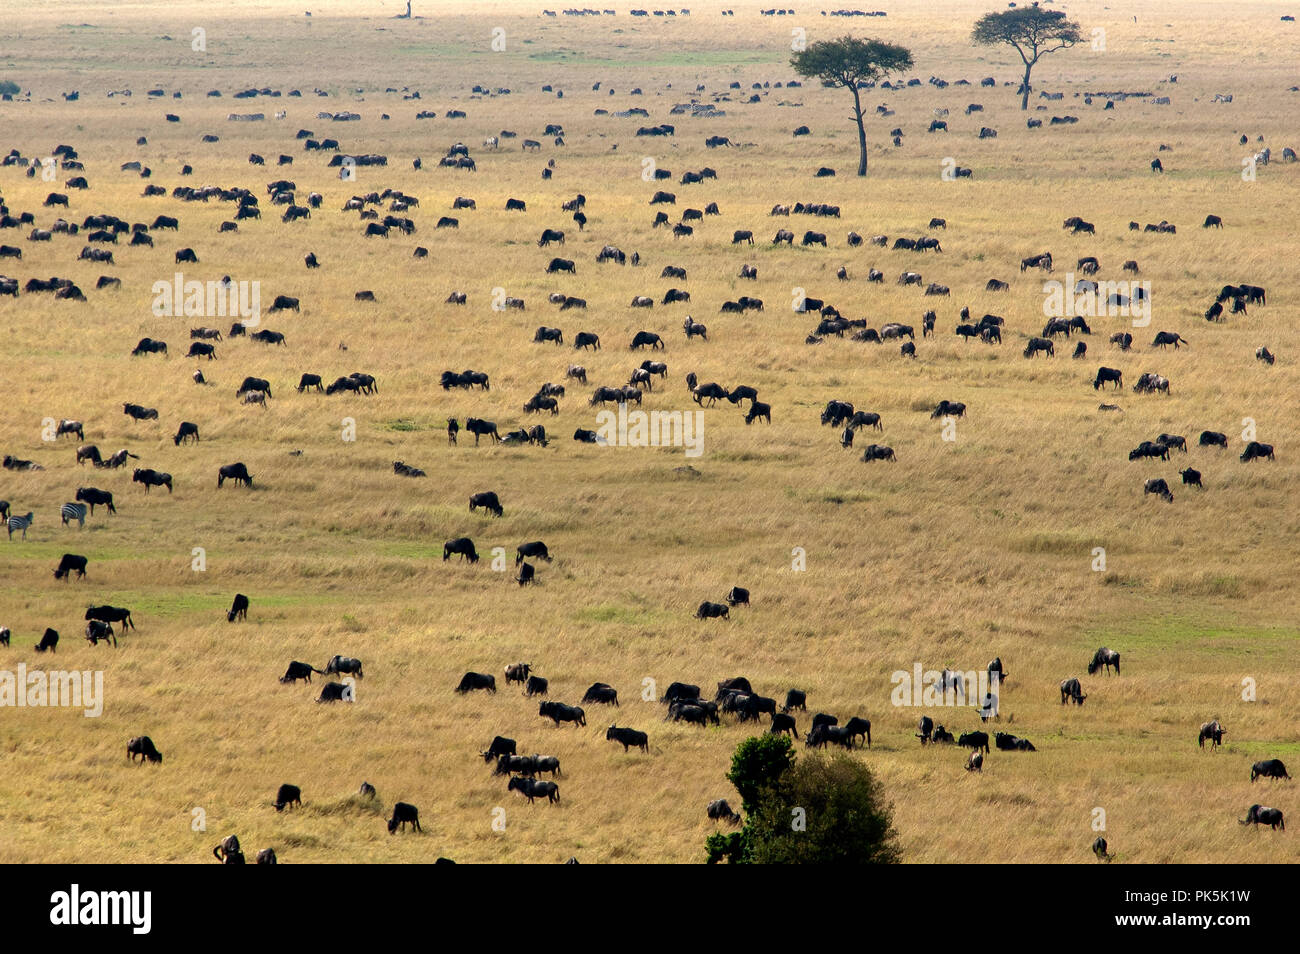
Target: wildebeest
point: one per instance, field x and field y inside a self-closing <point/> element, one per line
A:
<point x="630" y="738"/>
<point x="404" y="812"/>
<point x="1212" y="731"/>
<point x="1072" y="692"/>
<point x="254" y="384"/>
<point x="1114" y="375"/>
<point x="236" y="472"/>
<point x="97" y="629"/>
<point x="1159" y="487"/>
<point x="558" y="712"/>
<point x="143" y="747"/>
<point x="533" y="788"/>
<point x="299" y="670"/>
<point x="1191" y="477"/>
<point x="878" y="452"/>
<point x="536" y="686"/>
<point x="110" y="614"/>
<point x="96" y="497"/>
<point x="472" y="681"/>
<point x="643" y="338"/>
<point x="1259" y="815"/>
<point x="1256" y="450"/>
<point x="151" y="478"/>
<point x="534" y="549"/>
<point x="709" y="610"/>
<point x="1268" y="768"/>
<point x="488" y="501"/>
<point x="461" y="545"/>
<point x="49" y="641"/>
<point x="601" y="692"/>
<point x="1164" y="338"/>
<point x="759" y="409"/>
<point x="1012" y="743"/>
<point x="286" y="796"/>
<point x="70" y="563"/>
<point x="479" y="428"/>
<point x="1104" y="657"/>
<point x="947" y="408"/>
<point x="1213" y="439"/>
<point x="738" y="596"/>
<point x="238" y="608"/>
<point x="974" y="740"/>
<point x="1036" y="345"/>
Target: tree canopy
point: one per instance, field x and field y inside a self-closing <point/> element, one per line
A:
<point x="1032" y="32"/>
<point x="814" y="810"/>
<point x="849" y="62"/>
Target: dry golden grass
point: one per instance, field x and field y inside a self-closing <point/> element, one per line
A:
<point x="959" y="552"/>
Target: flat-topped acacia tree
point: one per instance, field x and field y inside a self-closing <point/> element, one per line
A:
<point x="1032" y="32"/>
<point x="849" y="62"/>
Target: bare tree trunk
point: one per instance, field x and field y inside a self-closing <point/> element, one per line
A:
<point x="1024" y="100"/>
<point x="862" y="131"/>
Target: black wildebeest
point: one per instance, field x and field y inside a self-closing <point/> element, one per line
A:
<point x="1071" y="691"/>
<point x="477" y="680"/>
<point x="709" y="610"/>
<point x="534" y="549"/>
<point x="1159" y="487"/>
<point x="558" y="712"/>
<point x="70" y="563"/>
<point x="1212" y="731"/>
<point x="1256" y="450"/>
<point x="236" y="472"/>
<point x="299" y="670"/>
<point x="110" y="614"/>
<point x="404" y="812"/>
<point x="1260" y="815"/>
<point x="143" y="747"/>
<point x="738" y="596"/>
<point x="1191" y="477"/>
<point x="49" y="641"/>
<point x="1268" y="768"/>
<point x="500" y="746"/>
<point x="1104" y="657"/>
<point x="644" y="338"/>
<point x="185" y="432"/>
<point x="1164" y="338"/>
<point x="536" y="686"/>
<point x="1213" y="439"/>
<point x="601" y="692"/>
<point x="974" y="740"/>
<point x="532" y="788"/>
<point x="97" y="630"/>
<point x="94" y="496"/>
<point x="238" y="609"/>
<point x="1104" y="375"/>
<point x="461" y="545"/>
<point x="630" y="738"/>
<point x="947" y="408"/>
<point x="286" y="796"/>
<point x="488" y="501"/>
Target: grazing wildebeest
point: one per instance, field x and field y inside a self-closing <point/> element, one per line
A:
<point x="70" y="563"/>
<point x="97" y="630"/>
<point x="143" y="747"/>
<point x="1268" y="768"/>
<point x="1263" y="354"/>
<point x="236" y="472"/>
<point x="110" y="614"/>
<point x="709" y="610"/>
<point x="518" y="672"/>
<point x="1213" y="438"/>
<point x="535" y="549"/>
<point x="403" y="813"/>
<point x="49" y="641"/>
<point x="461" y="545"/>
<point x="1259" y="815"/>
<point x="783" y="723"/>
<point x="286" y="796"/>
<point x="878" y="452"/>
<point x="1036" y="345"/>
<point x="1164" y="338"/>
<point x="643" y="338"/>
<point x="759" y="409"/>
<point x="975" y="763"/>
<point x="477" y="680"/>
<point x="238" y="609"/>
<point x="1104" y="657"/>
<point x="1108" y="374"/>
<point x="488" y="501"/>
<point x="927" y="728"/>
<point x="738" y="596"/>
<point x="630" y="738"/>
<point x="1158" y="486"/>
<point x="536" y="686"/>
<point x="558" y="712"/>
<point x="948" y="408"/>
<point x="693" y="328"/>
<point x="1256" y="450"/>
<point x="299" y="670"/>
<point x="1149" y="449"/>
<point x="1150" y="382"/>
<point x="1212" y="221"/>
<point x="601" y="692"/>
<point x="1212" y="731"/>
<point x="859" y="727"/>
<point x="1071" y="691"/>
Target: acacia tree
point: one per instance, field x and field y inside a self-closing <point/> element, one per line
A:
<point x="1032" y="32"/>
<point x="849" y="62"/>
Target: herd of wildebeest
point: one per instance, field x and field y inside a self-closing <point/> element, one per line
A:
<point x="384" y="214"/>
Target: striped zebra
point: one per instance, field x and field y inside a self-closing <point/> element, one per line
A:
<point x="19" y="523"/>
<point x="74" y="511"/>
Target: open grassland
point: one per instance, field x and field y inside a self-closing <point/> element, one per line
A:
<point x="961" y="551"/>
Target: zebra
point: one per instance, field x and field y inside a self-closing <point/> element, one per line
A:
<point x="19" y="523"/>
<point x="74" y="511"/>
